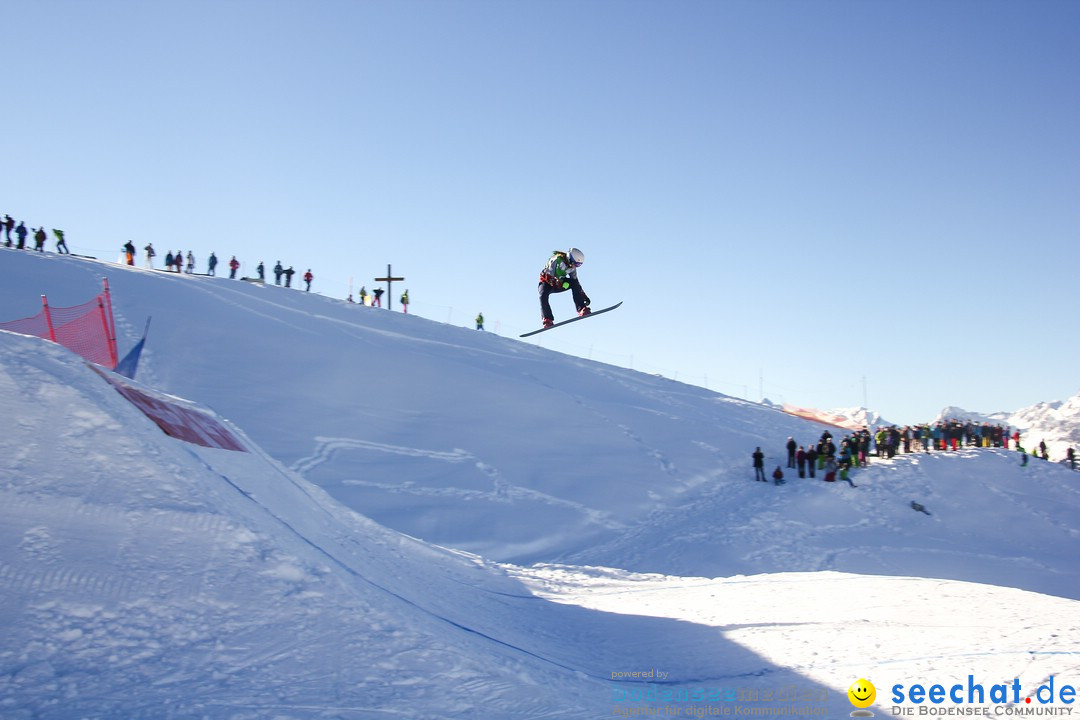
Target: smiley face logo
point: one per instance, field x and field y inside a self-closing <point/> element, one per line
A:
<point x="862" y="693"/>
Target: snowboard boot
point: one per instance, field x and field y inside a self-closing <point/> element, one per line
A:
<point x="584" y="311"/>
<point x="548" y="322"/>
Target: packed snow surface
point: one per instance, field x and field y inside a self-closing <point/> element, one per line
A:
<point x="432" y="522"/>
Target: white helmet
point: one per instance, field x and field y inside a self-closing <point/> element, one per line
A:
<point x="576" y="256"/>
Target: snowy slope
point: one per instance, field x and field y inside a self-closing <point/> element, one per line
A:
<point x="142" y="572"/>
<point x="502" y="448"/>
<point x="145" y="577"/>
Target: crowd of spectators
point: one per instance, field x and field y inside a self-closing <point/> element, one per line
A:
<point x="176" y="262"/>
<point x="836" y="460"/>
<point x="39" y="234"/>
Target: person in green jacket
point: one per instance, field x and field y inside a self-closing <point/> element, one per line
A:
<point x="560" y="275"/>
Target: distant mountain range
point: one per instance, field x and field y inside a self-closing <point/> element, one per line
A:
<point x="1055" y="423"/>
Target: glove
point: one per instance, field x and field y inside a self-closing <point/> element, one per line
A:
<point x="549" y="279"/>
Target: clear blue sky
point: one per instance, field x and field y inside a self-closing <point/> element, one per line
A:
<point x="790" y="197"/>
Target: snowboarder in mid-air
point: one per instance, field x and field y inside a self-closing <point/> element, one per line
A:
<point x="560" y="275"/>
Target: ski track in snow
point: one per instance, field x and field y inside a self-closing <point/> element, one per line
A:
<point x="502" y="491"/>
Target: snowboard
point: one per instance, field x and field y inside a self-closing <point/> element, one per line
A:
<point x="573" y="319"/>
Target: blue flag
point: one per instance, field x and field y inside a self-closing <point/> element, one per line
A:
<point x="130" y="364"/>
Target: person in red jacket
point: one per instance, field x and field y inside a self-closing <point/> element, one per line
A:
<point x="234" y="265"/>
<point x="308" y="277"/>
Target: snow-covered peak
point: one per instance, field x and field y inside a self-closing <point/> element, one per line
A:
<point x="1055" y="423"/>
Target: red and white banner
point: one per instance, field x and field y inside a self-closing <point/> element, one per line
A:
<point x="176" y="420"/>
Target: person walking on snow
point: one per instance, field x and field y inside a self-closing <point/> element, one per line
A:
<point x="560" y="275"/>
<point x="405" y="302"/>
<point x="60" y="242"/>
<point x="308" y="277"/>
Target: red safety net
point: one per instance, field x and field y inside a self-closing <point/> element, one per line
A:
<point x="86" y="329"/>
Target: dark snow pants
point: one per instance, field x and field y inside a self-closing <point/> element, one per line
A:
<point x="545" y="290"/>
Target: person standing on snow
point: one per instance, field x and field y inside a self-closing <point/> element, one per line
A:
<point x="560" y="275"/>
<point x="234" y="265"/>
<point x="759" y="465"/>
<point x="405" y="302"/>
<point x="150" y="253"/>
<point x="791" y="447"/>
<point x="308" y="277"/>
<point x="480" y="321"/>
<point x="211" y="263"/>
